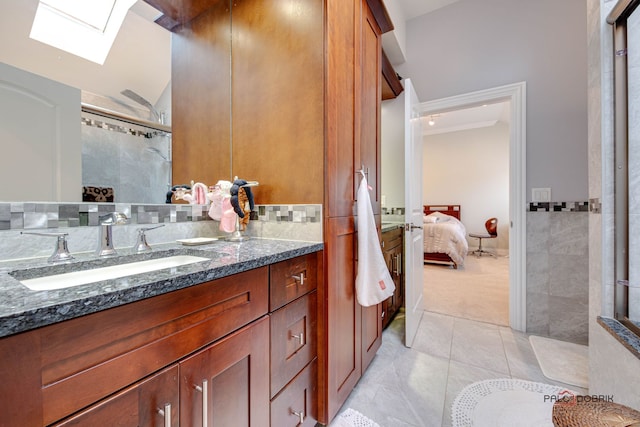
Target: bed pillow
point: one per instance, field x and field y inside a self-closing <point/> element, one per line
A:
<point x="436" y="217"/>
<point x="429" y="219"/>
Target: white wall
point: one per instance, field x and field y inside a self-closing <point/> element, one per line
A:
<point x="473" y="45"/>
<point x="392" y="146"/>
<point x="40" y="135"/>
<point x="470" y="168"/>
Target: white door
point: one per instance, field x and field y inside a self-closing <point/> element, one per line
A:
<point x="413" y="234"/>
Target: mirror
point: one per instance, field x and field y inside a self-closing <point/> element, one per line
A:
<point x="139" y="61"/>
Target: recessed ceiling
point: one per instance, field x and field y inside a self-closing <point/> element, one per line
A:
<point x="466" y="118"/>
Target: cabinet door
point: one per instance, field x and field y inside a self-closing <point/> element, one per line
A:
<point x="341" y="312"/>
<point x="151" y="403"/>
<point x="371" y="333"/>
<point x="343" y="17"/>
<point x="227" y="383"/>
<point x="368" y="142"/>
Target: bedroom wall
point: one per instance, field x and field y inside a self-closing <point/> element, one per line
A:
<point x="471" y="168"/>
<point x="472" y="45"/>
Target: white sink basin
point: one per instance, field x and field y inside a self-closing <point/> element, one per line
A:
<point x="77" y="278"/>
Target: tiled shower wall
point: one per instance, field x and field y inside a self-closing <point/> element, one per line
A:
<point x="558" y="270"/>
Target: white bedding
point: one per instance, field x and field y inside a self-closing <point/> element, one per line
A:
<point x="445" y="235"/>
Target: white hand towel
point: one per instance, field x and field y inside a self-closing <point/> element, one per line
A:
<point x="373" y="282"/>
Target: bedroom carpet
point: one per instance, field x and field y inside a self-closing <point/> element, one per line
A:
<point x="479" y="290"/>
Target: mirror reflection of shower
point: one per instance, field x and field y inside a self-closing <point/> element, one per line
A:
<point x="130" y="155"/>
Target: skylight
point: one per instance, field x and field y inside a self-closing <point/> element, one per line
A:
<point x="80" y="27"/>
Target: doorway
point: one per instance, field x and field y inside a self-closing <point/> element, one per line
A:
<point x="515" y="94"/>
<point x="466" y="164"/>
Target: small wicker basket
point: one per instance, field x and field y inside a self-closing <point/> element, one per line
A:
<point x="586" y="413"/>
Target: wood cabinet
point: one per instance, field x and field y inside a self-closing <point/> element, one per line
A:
<point x="393" y="251"/>
<point x="213" y="352"/>
<point x="227" y="383"/>
<point x="152" y="402"/>
<point x="304" y="115"/>
<point x="119" y="354"/>
<point x="294" y="339"/>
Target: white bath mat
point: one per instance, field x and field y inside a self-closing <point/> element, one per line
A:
<point x="506" y="402"/>
<point x="562" y="361"/>
<point x="352" y="418"/>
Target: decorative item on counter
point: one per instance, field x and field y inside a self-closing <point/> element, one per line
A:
<point x="172" y="192"/>
<point x="243" y="201"/>
<point x="229" y="217"/>
<point x="235" y="189"/>
<point x="241" y="196"/>
<point x="97" y="194"/>
<point x="197" y="195"/>
<point x="216" y="195"/>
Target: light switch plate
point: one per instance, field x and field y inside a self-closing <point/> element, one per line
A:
<point x="541" y="194"/>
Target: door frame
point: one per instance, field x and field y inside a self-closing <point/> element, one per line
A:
<point x="516" y="94"/>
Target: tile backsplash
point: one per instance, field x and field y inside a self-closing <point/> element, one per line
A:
<point x="80" y="221"/>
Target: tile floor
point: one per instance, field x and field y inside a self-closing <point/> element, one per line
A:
<point x="416" y="386"/>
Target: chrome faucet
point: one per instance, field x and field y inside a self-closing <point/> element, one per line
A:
<point x="105" y="244"/>
<point x="61" y="251"/>
<point x="141" y="244"/>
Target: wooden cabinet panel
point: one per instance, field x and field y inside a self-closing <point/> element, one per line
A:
<point x="393" y="251"/>
<point x="341" y="107"/>
<point x="371" y="333"/>
<point x="293" y="340"/>
<point x="341" y="312"/>
<point x="278" y="88"/>
<point x="80" y="356"/>
<point x="297" y="401"/>
<point x="201" y="95"/>
<point x="368" y="147"/>
<point x="20" y="397"/>
<point x="228" y="382"/>
<point x="146" y="404"/>
<point x="291" y="279"/>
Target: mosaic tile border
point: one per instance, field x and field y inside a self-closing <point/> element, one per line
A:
<point x="121" y="129"/>
<point x="392" y="211"/>
<point x="558" y="207"/>
<point x="32" y="215"/>
<point x="595" y="205"/>
<point x="289" y="213"/>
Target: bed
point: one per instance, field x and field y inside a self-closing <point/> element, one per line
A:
<point x="445" y="238"/>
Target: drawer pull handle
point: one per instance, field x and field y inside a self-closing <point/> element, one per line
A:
<point x="300" y="278"/>
<point x="205" y="400"/>
<point x="398" y="265"/>
<point x="299" y="415"/>
<point x="166" y="413"/>
<point x="299" y="337"/>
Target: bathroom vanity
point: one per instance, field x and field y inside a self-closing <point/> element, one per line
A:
<point x="227" y="341"/>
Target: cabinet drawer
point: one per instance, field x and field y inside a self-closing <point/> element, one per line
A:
<point x="152" y="402"/>
<point x="392" y="238"/>
<point x="291" y="279"/>
<point x="89" y="358"/>
<point x="297" y="401"/>
<point x="293" y="340"/>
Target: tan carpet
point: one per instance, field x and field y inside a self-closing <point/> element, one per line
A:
<point x="479" y="290"/>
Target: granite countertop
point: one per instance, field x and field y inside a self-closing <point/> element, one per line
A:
<point x="22" y="309"/>
<point x="388" y="226"/>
